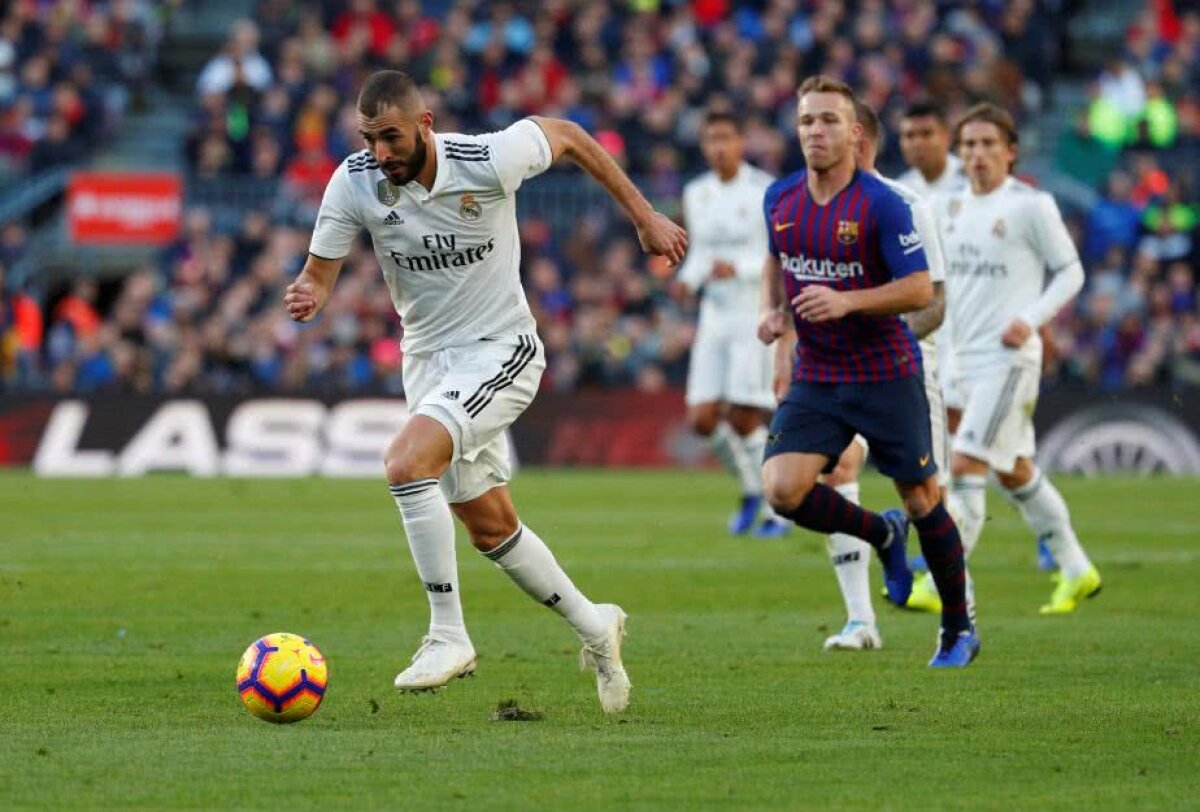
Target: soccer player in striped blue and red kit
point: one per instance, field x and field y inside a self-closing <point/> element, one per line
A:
<point x="845" y="262"/>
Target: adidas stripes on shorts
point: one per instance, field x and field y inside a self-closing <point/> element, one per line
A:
<point x="476" y="391"/>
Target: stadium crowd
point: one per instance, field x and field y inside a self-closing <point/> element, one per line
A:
<point x="277" y="102"/>
<point x="68" y="71"/>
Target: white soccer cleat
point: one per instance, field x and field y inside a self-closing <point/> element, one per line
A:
<point x="604" y="657"/>
<point x="437" y="662"/>
<point x="855" y="636"/>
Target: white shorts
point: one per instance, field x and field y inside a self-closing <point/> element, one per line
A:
<point x="736" y="371"/>
<point x="937" y="430"/>
<point x="997" y="421"/>
<point x="476" y="391"/>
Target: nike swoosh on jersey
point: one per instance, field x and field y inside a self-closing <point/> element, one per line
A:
<point x="783" y="226"/>
<point x="924" y="460"/>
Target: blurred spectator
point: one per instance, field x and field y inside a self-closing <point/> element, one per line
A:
<point x="276" y="105"/>
<point x="68" y="70"/>
<point x="239" y="64"/>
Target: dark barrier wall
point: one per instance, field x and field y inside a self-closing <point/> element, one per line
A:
<point x="1154" y="432"/>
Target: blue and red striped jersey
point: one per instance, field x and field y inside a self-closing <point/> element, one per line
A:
<point x="864" y="237"/>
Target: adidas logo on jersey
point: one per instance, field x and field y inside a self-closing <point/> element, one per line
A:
<point x="393" y="219"/>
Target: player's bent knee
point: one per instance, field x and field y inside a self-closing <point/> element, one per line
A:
<point x="421" y="451"/>
<point x="1019" y="477"/>
<point x="921" y="499"/>
<point x="703" y="421"/>
<point x="405" y="465"/>
<point x="785" y="496"/>
<point x="744" y="419"/>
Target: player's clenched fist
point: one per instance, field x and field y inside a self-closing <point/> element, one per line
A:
<point x="663" y="236"/>
<point x="771" y="325"/>
<point x="300" y="299"/>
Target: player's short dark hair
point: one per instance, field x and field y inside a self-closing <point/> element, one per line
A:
<point x="825" y="84"/>
<point x="723" y="117"/>
<point x="927" y="110"/>
<point x="872" y="128"/>
<point x="388" y="88"/>
<point x="990" y="114"/>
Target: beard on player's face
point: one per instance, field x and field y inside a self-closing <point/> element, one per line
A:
<point x="403" y="170"/>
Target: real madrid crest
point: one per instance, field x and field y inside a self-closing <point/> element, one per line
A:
<point x="469" y="208"/>
<point x="999" y="229"/>
<point x="387" y="192"/>
<point x="955" y="207"/>
<point x="847" y="232"/>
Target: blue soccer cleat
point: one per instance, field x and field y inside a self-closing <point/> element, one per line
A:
<point x="744" y="519"/>
<point x="897" y="577"/>
<point x="917" y="563"/>
<point x="1046" y="561"/>
<point x="962" y="649"/>
<point x="772" y="527"/>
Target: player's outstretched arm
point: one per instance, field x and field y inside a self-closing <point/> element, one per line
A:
<point x="305" y="297"/>
<point x="908" y="293"/>
<point x="657" y="232"/>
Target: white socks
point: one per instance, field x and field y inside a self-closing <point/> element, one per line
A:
<point x="527" y="560"/>
<point x="1044" y="510"/>
<point x="967" y="504"/>
<point x="429" y="526"/>
<point x="754" y="445"/>
<point x="741" y="456"/>
<point x="851" y="558"/>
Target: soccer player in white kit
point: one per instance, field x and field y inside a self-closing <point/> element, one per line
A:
<point x="849" y="555"/>
<point x="1010" y="267"/>
<point x="729" y="381"/>
<point x="441" y="213"/>
<point x="925" y="145"/>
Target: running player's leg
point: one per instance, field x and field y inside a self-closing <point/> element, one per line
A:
<point x="806" y="438"/>
<point x="503" y="377"/>
<point x="710" y="364"/>
<point x="1045" y="511"/>
<point x="925" y="597"/>
<point x="983" y="397"/>
<point x="415" y="460"/>
<point x="747" y="390"/>
<point x="495" y="530"/>
<point x="851" y="560"/>
<point x="894" y="417"/>
<point x="750" y="431"/>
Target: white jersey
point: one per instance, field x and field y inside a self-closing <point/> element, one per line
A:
<point x="450" y="254"/>
<point x="952" y="179"/>
<point x="1000" y="250"/>
<point x="926" y="226"/>
<point x="725" y="222"/>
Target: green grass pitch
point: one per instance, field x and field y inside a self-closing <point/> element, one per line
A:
<point x="124" y="606"/>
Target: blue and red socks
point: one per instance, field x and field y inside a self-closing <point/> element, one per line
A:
<point x="825" y="510"/>
<point x="943" y="551"/>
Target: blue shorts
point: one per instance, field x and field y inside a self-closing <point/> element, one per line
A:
<point x="822" y="418"/>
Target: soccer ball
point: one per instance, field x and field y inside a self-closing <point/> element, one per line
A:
<point x="282" y="678"/>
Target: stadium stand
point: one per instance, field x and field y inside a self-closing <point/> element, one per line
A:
<point x="272" y="114"/>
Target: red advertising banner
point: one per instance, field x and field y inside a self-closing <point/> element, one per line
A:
<point x="124" y="208"/>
